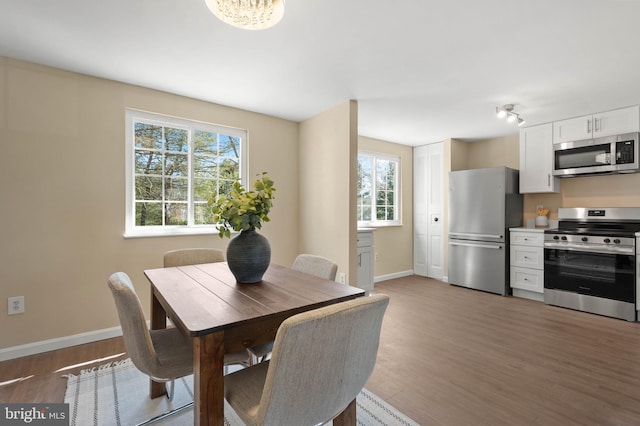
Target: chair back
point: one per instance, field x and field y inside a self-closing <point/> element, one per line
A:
<point x="137" y="338"/>
<point x="320" y="362"/>
<point x="316" y="265"/>
<point x="192" y="256"/>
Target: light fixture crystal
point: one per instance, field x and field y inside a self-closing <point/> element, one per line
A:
<point x="248" y="14"/>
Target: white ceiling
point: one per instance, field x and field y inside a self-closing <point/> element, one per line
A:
<point x="421" y="70"/>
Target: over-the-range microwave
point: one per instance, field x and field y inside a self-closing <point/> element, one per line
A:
<point x="610" y="154"/>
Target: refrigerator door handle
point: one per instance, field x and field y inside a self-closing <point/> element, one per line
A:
<point x="463" y="235"/>
<point x="475" y="245"/>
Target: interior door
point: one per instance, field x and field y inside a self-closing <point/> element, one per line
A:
<point x="428" y="211"/>
<point x="435" y="257"/>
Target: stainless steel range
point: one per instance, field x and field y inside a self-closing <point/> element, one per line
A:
<point x="590" y="261"/>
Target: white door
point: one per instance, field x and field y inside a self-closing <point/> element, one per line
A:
<point x="428" y="207"/>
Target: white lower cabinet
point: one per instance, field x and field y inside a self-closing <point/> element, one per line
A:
<point x="527" y="263"/>
<point x="365" y="259"/>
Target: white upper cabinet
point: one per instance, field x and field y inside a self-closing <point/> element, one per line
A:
<point x="625" y="120"/>
<point x="536" y="160"/>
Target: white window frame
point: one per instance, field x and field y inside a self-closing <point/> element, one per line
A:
<point x="131" y="117"/>
<point x="397" y="192"/>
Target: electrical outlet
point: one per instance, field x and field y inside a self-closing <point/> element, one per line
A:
<point x="342" y="278"/>
<point x="15" y="305"/>
<point x="376" y="257"/>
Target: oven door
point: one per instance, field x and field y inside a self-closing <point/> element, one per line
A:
<point x="605" y="275"/>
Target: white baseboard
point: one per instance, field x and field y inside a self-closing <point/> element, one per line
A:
<point x="400" y="274"/>
<point x="58" y="343"/>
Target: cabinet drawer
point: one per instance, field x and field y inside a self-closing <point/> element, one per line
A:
<point x="527" y="279"/>
<point x="365" y="239"/>
<point x="527" y="239"/>
<point x="527" y="257"/>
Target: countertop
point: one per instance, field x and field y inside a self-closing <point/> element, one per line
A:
<point x="530" y="226"/>
<point x="528" y="229"/>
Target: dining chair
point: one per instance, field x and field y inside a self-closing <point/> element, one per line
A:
<point x="309" y="264"/>
<point x="316" y="265"/>
<point x="192" y="256"/>
<point x="164" y="354"/>
<point x="321" y="360"/>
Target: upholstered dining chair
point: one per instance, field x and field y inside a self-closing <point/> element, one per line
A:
<point x="192" y="256"/>
<point x="309" y="264"/>
<point x="163" y="355"/>
<point x="321" y="360"/>
<point x="316" y="265"/>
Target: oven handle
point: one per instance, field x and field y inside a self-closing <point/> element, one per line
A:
<point x="591" y="249"/>
<point x="475" y="245"/>
<point x="465" y="235"/>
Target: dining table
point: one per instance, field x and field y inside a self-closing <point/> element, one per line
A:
<point x="223" y="316"/>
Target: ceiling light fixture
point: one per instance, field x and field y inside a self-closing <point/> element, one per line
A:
<point x="248" y="14"/>
<point x="507" y="111"/>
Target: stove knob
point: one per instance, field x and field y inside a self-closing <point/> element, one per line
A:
<point x="564" y="238"/>
<point x="606" y="240"/>
<point x="556" y="237"/>
<point x="617" y="241"/>
<point x="585" y="239"/>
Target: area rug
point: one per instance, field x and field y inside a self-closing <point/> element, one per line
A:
<point x="118" y="394"/>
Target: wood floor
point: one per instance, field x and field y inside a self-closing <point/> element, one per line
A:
<point x="453" y="356"/>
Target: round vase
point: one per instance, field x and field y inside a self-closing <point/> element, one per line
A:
<point x="248" y="256"/>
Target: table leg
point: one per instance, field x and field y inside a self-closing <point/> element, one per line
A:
<point x="208" y="379"/>
<point x="347" y="417"/>
<point x="158" y="321"/>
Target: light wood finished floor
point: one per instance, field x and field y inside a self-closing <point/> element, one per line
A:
<point x="453" y="356"/>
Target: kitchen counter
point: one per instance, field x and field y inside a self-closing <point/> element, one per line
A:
<point x="553" y="224"/>
<point x="526" y="229"/>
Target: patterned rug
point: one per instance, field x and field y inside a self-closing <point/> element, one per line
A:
<point x="118" y="394"/>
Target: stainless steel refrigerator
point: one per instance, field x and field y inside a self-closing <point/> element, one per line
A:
<point x="483" y="205"/>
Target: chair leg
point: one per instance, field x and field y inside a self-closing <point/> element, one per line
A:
<point x="172" y="388"/>
<point x="167" y="414"/>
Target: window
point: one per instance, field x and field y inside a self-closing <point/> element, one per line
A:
<point x="173" y="167"/>
<point x="378" y="189"/>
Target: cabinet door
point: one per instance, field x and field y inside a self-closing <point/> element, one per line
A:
<point x="527" y="279"/>
<point x="534" y="239"/>
<point x="365" y="268"/>
<point x="573" y="129"/>
<point x="536" y="160"/>
<point x="527" y="257"/>
<point x="625" y="120"/>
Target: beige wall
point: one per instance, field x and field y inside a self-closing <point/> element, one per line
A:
<point x="327" y="161"/>
<point x="589" y="191"/>
<point x="393" y="245"/>
<point x="457" y="157"/>
<point x="504" y="151"/>
<point x="62" y="181"/>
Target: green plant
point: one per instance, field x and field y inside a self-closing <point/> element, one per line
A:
<point x="243" y="210"/>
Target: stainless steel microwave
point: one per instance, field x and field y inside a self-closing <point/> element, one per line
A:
<point x="610" y="154"/>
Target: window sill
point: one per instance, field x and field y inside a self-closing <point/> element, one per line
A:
<point x="173" y="232"/>
<point x="378" y="225"/>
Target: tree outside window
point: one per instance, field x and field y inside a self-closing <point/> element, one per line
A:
<point x="177" y="165"/>
<point x="377" y="189"/>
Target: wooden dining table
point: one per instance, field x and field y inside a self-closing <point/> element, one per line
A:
<point x="222" y="316"/>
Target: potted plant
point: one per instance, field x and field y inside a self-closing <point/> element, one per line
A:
<point x="244" y="211"/>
